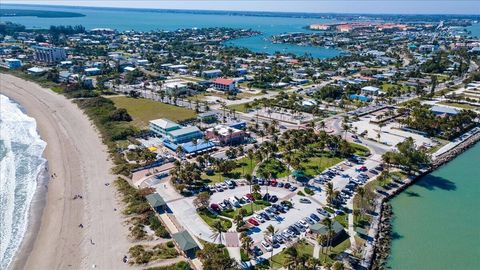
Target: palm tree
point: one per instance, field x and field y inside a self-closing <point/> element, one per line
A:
<point x="237" y="219"/>
<point x="327" y="222"/>
<point x="361" y="193"/>
<point x="271" y="231"/>
<point x="291" y="257"/>
<point x="329" y="191"/>
<point x="256" y="188"/>
<point x="247" y="242"/>
<point x="179" y="150"/>
<point x="322" y="240"/>
<point x="346" y="128"/>
<point x="249" y="179"/>
<point x="218" y="230"/>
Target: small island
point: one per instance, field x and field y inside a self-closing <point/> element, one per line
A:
<point x="38" y="13"/>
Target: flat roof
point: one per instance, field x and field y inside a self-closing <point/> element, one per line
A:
<point x="190" y="147"/>
<point x="184" y="130"/>
<point x="442" y="109"/>
<point x="164" y="123"/>
<point x="223" y="130"/>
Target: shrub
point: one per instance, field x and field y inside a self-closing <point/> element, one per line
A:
<point x="300" y="193"/>
<point x="308" y="191"/>
<point x="170" y="244"/>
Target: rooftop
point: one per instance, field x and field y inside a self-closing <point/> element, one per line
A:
<point x="322" y="229"/>
<point x="223" y="81"/>
<point x="184" y="130"/>
<point x="164" y="123"/>
<point x="185" y="241"/>
<point x="155" y="200"/>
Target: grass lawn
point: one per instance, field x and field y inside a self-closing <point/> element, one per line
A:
<point x="238" y="107"/>
<point x="209" y="218"/>
<point x="243" y="166"/>
<point x="315" y="165"/>
<point x="360" y="150"/>
<point x="275" y="166"/>
<point x="302" y="248"/>
<point x="248" y="207"/>
<point x="389" y="86"/>
<point x="435" y="148"/>
<point x="460" y="105"/>
<point x="144" y="110"/>
<point x="328" y="256"/>
<point x="342" y="219"/>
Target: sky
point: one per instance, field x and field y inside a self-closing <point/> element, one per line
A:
<point x="320" y="6"/>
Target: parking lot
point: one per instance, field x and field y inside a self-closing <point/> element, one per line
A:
<point x="391" y="133"/>
<point x="345" y="173"/>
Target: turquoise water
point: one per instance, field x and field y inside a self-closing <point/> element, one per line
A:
<point x="474" y="29"/>
<point x="437" y="220"/>
<point x="146" y="21"/>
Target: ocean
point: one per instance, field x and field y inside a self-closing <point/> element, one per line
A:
<point x="21" y="164"/>
<point x="121" y="19"/>
<point x="436" y="220"/>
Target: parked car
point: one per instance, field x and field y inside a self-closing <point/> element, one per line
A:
<point x="323" y="212"/>
<point x="234" y="202"/>
<point x="257" y="251"/>
<point x="292" y="188"/>
<point x="215" y="207"/>
<point x="273" y="198"/>
<point x="280" y="184"/>
<point x="314" y="217"/>
<point x="267" y="246"/>
<point x="305" y="200"/>
<point x="259" y="218"/>
<point x="287" y="185"/>
<point x="264" y="216"/>
<point x="253" y="221"/>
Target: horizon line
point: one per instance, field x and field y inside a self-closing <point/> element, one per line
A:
<point x="243" y="11"/>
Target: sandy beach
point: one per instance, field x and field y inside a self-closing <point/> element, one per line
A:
<point x="80" y="162"/>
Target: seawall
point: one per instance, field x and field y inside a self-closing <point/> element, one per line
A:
<point x="382" y="225"/>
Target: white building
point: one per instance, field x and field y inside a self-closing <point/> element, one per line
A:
<point x="49" y="55"/>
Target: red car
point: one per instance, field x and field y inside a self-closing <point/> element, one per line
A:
<point x="250" y="197"/>
<point x="273" y="183"/>
<point x="215" y="207"/>
<point x="253" y="221"/>
<point x="363" y="169"/>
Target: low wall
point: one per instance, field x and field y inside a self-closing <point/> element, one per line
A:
<point x="383" y="228"/>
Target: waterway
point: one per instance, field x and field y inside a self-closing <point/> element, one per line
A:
<point x="436" y="223"/>
<point x="142" y="20"/>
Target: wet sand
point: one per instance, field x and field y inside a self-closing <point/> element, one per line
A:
<point x="79" y="160"/>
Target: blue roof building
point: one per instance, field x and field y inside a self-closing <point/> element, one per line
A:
<point x="361" y="98"/>
<point x="174" y="132"/>
<point x="190" y="148"/>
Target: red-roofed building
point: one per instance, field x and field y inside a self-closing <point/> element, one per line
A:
<point x="224" y="84"/>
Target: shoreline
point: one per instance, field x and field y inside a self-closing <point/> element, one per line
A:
<point x="35" y="213"/>
<point x="382" y="239"/>
<point x="80" y="160"/>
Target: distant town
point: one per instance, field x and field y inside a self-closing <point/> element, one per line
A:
<point x="229" y="159"/>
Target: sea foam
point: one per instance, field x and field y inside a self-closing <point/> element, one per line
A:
<point x="21" y="162"/>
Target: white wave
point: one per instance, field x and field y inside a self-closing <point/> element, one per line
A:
<point x="21" y="162"/>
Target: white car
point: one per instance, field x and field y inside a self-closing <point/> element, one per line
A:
<point x="259" y="218"/>
<point x="267" y="246"/>
<point x="303" y="222"/>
